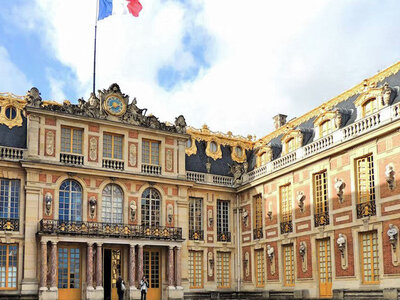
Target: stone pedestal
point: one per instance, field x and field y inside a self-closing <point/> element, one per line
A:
<point x="390" y="294"/>
<point x="48" y="294"/>
<point x="134" y="293"/>
<point x="175" y="293"/>
<point x="94" y="294"/>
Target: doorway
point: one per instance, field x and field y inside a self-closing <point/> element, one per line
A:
<point x="69" y="272"/>
<point x="111" y="271"/>
<point x="324" y="268"/>
<point x="152" y="271"/>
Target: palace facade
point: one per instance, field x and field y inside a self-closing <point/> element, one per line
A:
<point x="99" y="189"/>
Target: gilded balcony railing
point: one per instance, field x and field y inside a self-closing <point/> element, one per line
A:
<point x="109" y="230"/>
<point x="257" y="233"/>
<point x="224" y="236"/>
<point x="9" y="224"/>
<point x="286" y="227"/>
<point x="196" y="235"/>
<point x="366" y="209"/>
<point x="321" y="219"/>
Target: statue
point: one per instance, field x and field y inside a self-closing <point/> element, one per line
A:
<point x="48" y="199"/>
<point x="245" y="217"/>
<point x="270" y="252"/>
<point x="341" y="241"/>
<point x="386" y="94"/>
<point x="339" y="186"/>
<point x="302" y="250"/>
<point x="92" y="206"/>
<point x="237" y="170"/>
<point x="133" y="209"/>
<point x="392" y="233"/>
<point x="300" y="199"/>
<point x="389" y="176"/>
<point x="33" y="97"/>
<point x="180" y="124"/>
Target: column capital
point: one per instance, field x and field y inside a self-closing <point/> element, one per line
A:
<point x="178" y="247"/>
<point x="43" y="241"/>
<point x="90" y="244"/>
<point x="140" y="246"/>
<point x="132" y="245"/>
<point x="54" y="243"/>
<point x="171" y="247"/>
<point x="99" y="244"/>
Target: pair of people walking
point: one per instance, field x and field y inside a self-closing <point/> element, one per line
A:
<point x="144" y="285"/>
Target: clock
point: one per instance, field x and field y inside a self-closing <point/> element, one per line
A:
<point x="114" y="105"/>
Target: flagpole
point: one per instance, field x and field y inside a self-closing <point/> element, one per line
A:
<point x="94" y="54"/>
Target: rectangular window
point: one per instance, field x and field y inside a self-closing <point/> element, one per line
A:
<point x="369" y="257"/>
<point x="288" y="265"/>
<point x="196" y="269"/>
<point x="71" y="140"/>
<point x="258" y="217"/>
<point x="365" y="186"/>
<point x="326" y="128"/>
<point x="223" y="269"/>
<point x="260" y="271"/>
<point x="112" y="146"/>
<point x="291" y="145"/>
<point x="321" y="216"/>
<point x="195" y="218"/>
<point x="285" y="195"/>
<point x="9" y="199"/>
<point x="151" y="152"/>
<point x="8" y="266"/>
<point x="223" y="233"/>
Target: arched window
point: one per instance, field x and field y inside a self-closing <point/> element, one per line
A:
<point x="111" y="207"/>
<point x="70" y="201"/>
<point x="370" y="107"/>
<point x="325" y="128"/>
<point x="151" y="208"/>
<point x="291" y="145"/>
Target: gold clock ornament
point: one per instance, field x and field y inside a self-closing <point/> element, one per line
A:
<point x="114" y="105"/>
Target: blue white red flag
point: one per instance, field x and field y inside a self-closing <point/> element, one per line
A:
<point x="118" y="7"/>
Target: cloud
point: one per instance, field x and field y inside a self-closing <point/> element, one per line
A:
<point x="228" y="63"/>
<point x="11" y="77"/>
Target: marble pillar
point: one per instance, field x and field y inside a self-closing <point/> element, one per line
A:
<point x="170" y="266"/>
<point x="53" y="266"/>
<point x="178" y="266"/>
<point x="43" y="265"/>
<point x="140" y="263"/>
<point x="99" y="266"/>
<point x="89" y="266"/>
<point x="132" y="266"/>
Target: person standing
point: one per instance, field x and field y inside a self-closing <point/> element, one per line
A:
<point x="120" y="288"/>
<point x="144" y="284"/>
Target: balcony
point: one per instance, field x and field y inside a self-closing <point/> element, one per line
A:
<point x="71" y="159"/>
<point x="114" y="164"/>
<point x="257" y="233"/>
<point x="224" y="236"/>
<point x="286" y="227"/>
<point x="321" y="219"/>
<point x="9" y="224"/>
<point x="109" y="230"/>
<point x="151" y="169"/>
<point x="10" y="153"/>
<point x="196" y="235"/>
<point x="209" y="178"/>
<point x="366" y="209"/>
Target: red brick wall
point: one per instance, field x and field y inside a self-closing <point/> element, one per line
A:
<point x="387" y="204"/>
<point x="388" y="267"/>
<point x="211" y="278"/>
<point x="276" y="275"/>
<point x="384" y="187"/>
<point x="349" y="220"/>
<point x="246" y="249"/>
<point x="345" y="176"/>
<point x="350" y="255"/>
<point x="97" y="148"/>
<point x="307" y="207"/>
<point x="300" y="273"/>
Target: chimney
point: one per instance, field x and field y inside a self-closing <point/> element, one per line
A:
<point x="279" y="120"/>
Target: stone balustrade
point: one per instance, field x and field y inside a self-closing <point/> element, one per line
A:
<point x="10" y="153"/>
<point x="71" y="159"/>
<point x="151" y="169"/>
<point x="113" y="164"/>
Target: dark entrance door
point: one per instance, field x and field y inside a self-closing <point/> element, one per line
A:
<point x="107" y="274"/>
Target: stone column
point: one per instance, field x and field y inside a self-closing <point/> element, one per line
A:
<point x="89" y="266"/>
<point x="178" y="266"/>
<point x="99" y="267"/>
<point x="140" y="262"/>
<point x="170" y="266"/>
<point x="132" y="266"/>
<point x="53" y="266"/>
<point x="43" y="265"/>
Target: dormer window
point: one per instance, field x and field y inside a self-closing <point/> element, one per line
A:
<point x="369" y="107"/>
<point x="292" y="140"/>
<point x="213" y="147"/>
<point x="238" y="153"/>
<point x="264" y="156"/>
<point x="326" y="128"/>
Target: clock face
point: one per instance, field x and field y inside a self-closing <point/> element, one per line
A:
<point x="115" y="106"/>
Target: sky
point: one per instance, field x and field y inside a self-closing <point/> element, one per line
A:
<point x="230" y="64"/>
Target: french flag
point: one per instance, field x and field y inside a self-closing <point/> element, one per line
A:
<point x="118" y="7"/>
